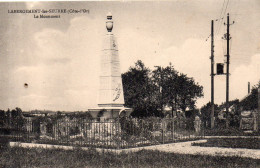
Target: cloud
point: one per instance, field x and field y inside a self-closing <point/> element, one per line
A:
<point x="32" y="4"/>
<point x="135" y="44"/>
<point x="64" y="72"/>
<point x="63" y="67"/>
<point x="191" y="58"/>
<point x="243" y="74"/>
<point x="51" y="46"/>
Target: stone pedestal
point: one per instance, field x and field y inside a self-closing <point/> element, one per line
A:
<point x="197" y="124"/>
<point x="248" y="121"/>
<point x="109" y="112"/>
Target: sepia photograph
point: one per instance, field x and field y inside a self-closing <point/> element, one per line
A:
<point x="130" y="83"/>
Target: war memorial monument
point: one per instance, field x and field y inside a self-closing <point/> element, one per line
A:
<point x="111" y="94"/>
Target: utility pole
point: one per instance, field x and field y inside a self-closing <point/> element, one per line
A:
<point x="227" y="37"/>
<point x="212" y="75"/>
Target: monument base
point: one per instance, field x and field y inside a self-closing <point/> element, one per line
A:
<point x="248" y="121"/>
<point x="109" y="112"/>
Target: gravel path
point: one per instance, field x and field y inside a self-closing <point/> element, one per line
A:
<point x="186" y="148"/>
<point x="180" y="148"/>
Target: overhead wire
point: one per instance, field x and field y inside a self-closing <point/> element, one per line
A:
<point x="221" y="17"/>
<point x="221" y="25"/>
<point x="224" y="8"/>
<point x="234" y="13"/>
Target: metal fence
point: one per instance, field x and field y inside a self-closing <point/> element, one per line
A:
<point x="105" y="133"/>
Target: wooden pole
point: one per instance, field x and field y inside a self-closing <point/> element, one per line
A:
<point x="227" y="74"/>
<point x="212" y="74"/>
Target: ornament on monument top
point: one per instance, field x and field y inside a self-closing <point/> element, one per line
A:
<point x="109" y="22"/>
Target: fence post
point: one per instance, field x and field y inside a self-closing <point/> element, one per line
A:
<point x="117" y="133"/>
<point x="172" y="129"/>
<point x="163" y="131"/>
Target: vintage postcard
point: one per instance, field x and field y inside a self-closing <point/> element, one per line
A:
<point x="130" y="75"/>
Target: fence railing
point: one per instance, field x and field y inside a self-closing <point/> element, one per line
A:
<point x="104" y="133"/>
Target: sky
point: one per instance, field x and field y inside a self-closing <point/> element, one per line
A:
<point x="59" y="58"/>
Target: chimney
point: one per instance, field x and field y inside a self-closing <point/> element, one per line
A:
<point x="248" y="87"/>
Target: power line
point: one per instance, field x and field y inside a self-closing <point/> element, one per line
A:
<point x="230" y="45"/>
<point x="218" y="19"/>
<point x="226" y="7"/>
<point x="223" y="49"/>
<point x="208" y="37"/>
<point x="233" y="22"/>
<point x="221" y="17"/>
<point x="222" y="8"/>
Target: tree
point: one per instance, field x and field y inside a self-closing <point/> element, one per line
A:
<point x="175" y="90"/>
<point x="205" y="113"/>
<point x="149" y="92"/>
<point x="165" y="80"/>
<point x="250" y="102"/>
<point x="2" y="118"/>
<point x="234" y="114"/>
<point x="187" y="92"/>
<point x="157" y="79"/>
<point x="138" y="91"/>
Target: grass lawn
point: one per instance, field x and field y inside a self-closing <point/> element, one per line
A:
<point x="24" y="157"/>
<point x="232" y="131"/>
<point x="249" y="143"/>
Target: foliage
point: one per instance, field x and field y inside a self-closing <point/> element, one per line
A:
<point x="249" y="143"/>
<point x="12" y="120"/>
<point x="138" y="91"/>
<point x="231" y="131"/>
<point x="206" y="113"/>
<point x="250" y="102"/>
<point x="234" y="114"/>
<point x="150" y="92"/>
<point x="188" y="92"/>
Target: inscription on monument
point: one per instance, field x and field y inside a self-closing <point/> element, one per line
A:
<point x="117" y="92"/>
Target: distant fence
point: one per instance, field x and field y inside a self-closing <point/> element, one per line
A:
<point x="105" y="133"/>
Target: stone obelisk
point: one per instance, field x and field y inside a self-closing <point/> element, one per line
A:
<point x="111" y="89"/>
<point x="111" y="95"/>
